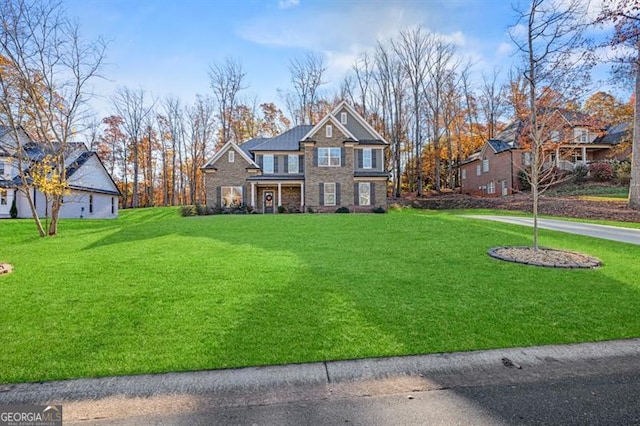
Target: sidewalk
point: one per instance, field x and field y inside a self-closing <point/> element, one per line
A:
<point x="614" y="233"/>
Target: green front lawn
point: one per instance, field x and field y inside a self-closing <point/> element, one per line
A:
<point x="154" y="292"/>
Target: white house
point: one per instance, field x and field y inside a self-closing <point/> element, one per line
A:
<point x="93" y="193"/>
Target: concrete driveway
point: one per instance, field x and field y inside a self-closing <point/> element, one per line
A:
<point x="614" y="233"/>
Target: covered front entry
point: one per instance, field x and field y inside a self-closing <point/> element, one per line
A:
<point x="266" y="197"/>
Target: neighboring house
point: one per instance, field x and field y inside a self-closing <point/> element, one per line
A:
<point x="93" y="193"/>
<point x="338" y="162"/>
<point x="573" y="138"/>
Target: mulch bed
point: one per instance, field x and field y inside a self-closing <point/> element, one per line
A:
<point x="5" y="268"/>
<point x="545" y="257"/>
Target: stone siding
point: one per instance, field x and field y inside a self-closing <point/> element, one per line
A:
<point x="227" y="174"/>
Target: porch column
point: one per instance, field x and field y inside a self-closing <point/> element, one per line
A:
<point x="302" y="194"/>
<point x="253" y="194"/>
<point x="279" y="194"/>
<point x="558" y="157"/>
<point x="584" y="155"/>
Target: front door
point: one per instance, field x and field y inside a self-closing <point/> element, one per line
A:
<point x="268" y="202"/>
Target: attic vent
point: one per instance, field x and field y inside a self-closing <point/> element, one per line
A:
<point x="329" y="130"/>
<point x="343" y="118"/>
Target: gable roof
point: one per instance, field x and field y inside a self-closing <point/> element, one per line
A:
<point x="362" y="121"/>
<point x="335" y="122"/>
<point x="287" y="141"/>
<point x="498" y="146"/>
<point x="248" y="145"/>
<point x="615" y="134"/>
<point x="226" y="147"/>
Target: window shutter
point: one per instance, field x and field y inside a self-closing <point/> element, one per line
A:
<point x="342" y="155"/>
<point x="372" y="193"/>
<point x="275" y="163"/>
<point x="356" y="196"/>
<point x="374" y="158"/>
<point x="321" y="196"/>
<point x="259" y="160"/>
<point x="219" y="196"/>
<point x="301" y="164"/>
<point x="360" y="161"/>
<point x="315" y="157"/>
<point x="337" y="194"/>
<point x="286" y="163"/>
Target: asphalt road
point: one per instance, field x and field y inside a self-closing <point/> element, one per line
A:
<point x="614" y="233"/>
<point x="589" y="383"/>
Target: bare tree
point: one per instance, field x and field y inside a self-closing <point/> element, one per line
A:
<point x="175" y="129"/>
<point x="549" y="37"/>
<point x="493" y="101"/>
<point x="47" y="67"/>
<point x="227" y="79"/>
<point x="133" y="108"/>
<point x="307" y="75"/>
<point x="202" y="131"/>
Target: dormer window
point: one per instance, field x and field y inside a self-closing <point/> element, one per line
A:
<point x="581" y="135"/>
<point x="329" y="131"/>
<point x="232" y="156"/>
<point x="343" y="118"/>
<point x="267" y="164"/>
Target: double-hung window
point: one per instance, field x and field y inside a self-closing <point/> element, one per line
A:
<point x="478" y="170"/>
<point x="364" y="193"/>
<point x="491" y="188"/>
<point x="293" y="166"/>
<point x="485" y="165"/>
<point x="329" y="157"/>
<point x="330" y="194"/>
<point x="267" y="163"/>
<point x="367" y="162"/>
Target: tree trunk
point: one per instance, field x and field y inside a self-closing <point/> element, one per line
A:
<point x="634" y="186"/>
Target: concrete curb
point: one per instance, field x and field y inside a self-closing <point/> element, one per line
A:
<point x="256" y="379"/>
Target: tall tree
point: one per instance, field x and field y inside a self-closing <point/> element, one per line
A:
<point x="307" y="75"/>
<point x="45" y="70"/>
<point x="625" y="14"/>
<point x="226" y="79"/>
<point x="548" y="35"/>
<point x="492" y="101"/>
<point x="134" y="109"/>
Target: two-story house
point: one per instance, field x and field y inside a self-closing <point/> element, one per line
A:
<point x="571" y="138"/>
<point x="338" y="162"/>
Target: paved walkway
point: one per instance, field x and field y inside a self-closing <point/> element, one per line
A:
<point x="614" y="233"/>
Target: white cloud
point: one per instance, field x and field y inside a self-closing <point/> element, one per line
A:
<point x="287" y="4"/>
<point x="504" y="49"/>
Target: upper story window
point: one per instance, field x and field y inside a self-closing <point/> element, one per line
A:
<point x="464" y="173"/>
<point x="554" y="135"/>
<point x="232" y="156"/>
<point x="329" y="130"/>
<point x="343" y="118"/>
<point x="478" y="170"/>
<point x="485" y="165"/>
<point x="526" y="158"/>
<point x="581" y="135"/>
<point x="2" y="168"/>
<point x="367" y="161"/>
<point x="329" y="157"/>
<point x="267" y="163"/>
<point x="293" y="164"/>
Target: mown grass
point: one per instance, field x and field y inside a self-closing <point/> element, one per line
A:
<point x="591" y="191"/>
<point x="154" y="292"/>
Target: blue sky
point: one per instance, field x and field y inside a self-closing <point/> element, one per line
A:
<point x="166" y="47"/>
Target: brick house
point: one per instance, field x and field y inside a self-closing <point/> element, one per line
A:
<point x="573" y="139"/>
<point x="338" y="162"/>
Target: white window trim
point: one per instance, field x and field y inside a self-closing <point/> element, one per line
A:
<point x="329" y="156"/>
<point x="367" y="200"/>
<point x="293" y="159"/>
<point x="231" y="189"/>
<point x="329" y="131"/>
<point x="478" y="169"/>
<point x="271" y="164"/>
<point x="485" y="165"/>
<point x="343" y="118"/>
<point x="231" y="157"/>
<point x="491" y="188"/>
<point x="364" y="158"/>
<point x="328" y="185"/>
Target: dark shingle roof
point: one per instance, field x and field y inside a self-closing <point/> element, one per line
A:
<point x="288" y="141"/>
<point x="498" y="145"/>
<point x="615" y="134"/>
